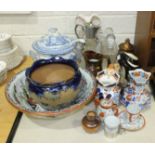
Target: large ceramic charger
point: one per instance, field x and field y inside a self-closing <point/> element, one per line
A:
<point x="18" y="96"/>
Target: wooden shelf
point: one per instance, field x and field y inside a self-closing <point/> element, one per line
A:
<point x="7" y="112"/>
<point x="144" y="35"/>
<point x="153" y="34"/>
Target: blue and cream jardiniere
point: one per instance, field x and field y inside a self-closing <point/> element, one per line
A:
<point x="57" y="93"/>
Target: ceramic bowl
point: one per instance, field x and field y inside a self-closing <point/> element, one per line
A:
<point x="57" y="93"/>
<point x="3" y="71"/>
<point x="5" y="42"/>
<point x="13" y="57"/>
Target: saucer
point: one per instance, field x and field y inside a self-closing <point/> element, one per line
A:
<point x="138" y="124"/>
<point x="143" y="98"/>
<point x="18" y="96"/>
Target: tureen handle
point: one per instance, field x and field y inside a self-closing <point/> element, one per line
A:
<point x="79" y="44"/>
<point x="56" y="58"/>
<point x="82" y="41"/>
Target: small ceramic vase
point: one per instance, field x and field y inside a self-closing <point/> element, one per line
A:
<point x="112" y="125"/>
<point x="105" y="107"/>
<point x="136" y="91"/>
<point x="108" y="80"/>
<point x="91" y="122"/>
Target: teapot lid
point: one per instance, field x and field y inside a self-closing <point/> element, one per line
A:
<point x="108" y="77"/>
<point x="54" y="43"/>
<point x="126" y="46"/>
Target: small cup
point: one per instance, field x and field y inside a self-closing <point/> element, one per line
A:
<point x="91" y="122"/>
<point x="3" y="71"/>
<point x="134" y="111"/>
<point x="112" y="125"/>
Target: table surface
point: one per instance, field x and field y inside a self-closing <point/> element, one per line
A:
<point x="66" y="129"/>
<point x="7" y="112"/>
<point x="69" y="129"/>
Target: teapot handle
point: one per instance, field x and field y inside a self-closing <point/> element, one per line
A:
<point x="115" y="110"/>
<point x="76" y="32"/>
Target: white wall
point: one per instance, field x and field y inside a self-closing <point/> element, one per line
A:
<point x="25" y="28"/>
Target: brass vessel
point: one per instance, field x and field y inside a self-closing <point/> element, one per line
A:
<point x="91" y="122"/>
<point x="127" y="46"/>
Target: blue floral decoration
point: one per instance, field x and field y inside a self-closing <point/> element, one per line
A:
<point x="39" y="89"/>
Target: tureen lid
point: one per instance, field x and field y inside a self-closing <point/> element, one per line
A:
<point x="54" y="43"/>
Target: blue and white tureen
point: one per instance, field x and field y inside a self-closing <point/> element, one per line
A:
<point x="55" y="44"/>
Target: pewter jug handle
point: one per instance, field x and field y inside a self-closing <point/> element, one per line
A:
<point x="76" y="32"/>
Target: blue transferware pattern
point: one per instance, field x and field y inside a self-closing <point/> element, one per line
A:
<point x="136" y="92"/>
<point x="61" y="86"/>
<point x="18" y="94"/>
<point x="54" y="43"/>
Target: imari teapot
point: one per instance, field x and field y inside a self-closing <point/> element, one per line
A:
<point x="136" y="91"/>
<point x="105" y="107"/>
